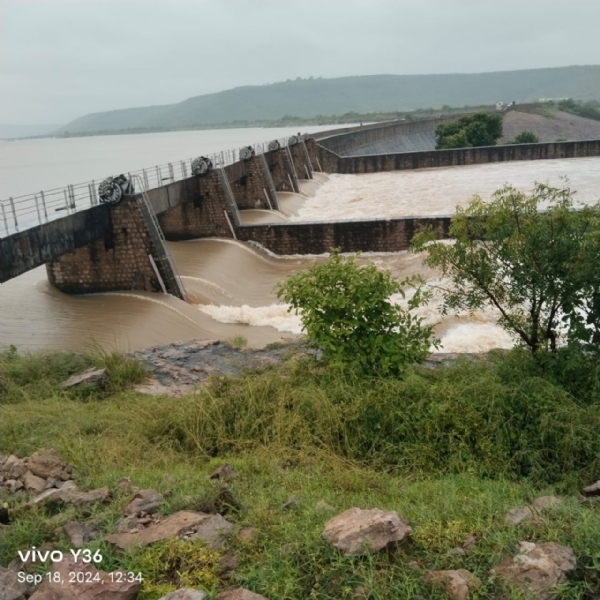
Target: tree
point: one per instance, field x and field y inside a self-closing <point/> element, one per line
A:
<point x="479" y="129"/>
<point x="525" y="137"/>
<point x="538" y="269"/>
<point x="347" y="313"/>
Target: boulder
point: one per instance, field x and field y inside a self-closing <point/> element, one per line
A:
<point x="79" y="534"/>
<point x="33" y="482"/>
<point x="357" y="531"/>
<point x="592" y="490"/>
<point x="88" y="589"/>
<point x="13" y="485"/>
<point x="170" y="527"/>
<point x="46" y="463"/>
<point x="70" y="496"/>
<point x="225" y="472"/>
<point x="213" y="531"/>
<point x="537" y="568"/>
<point x="456" y="583"/>
<point x="11" y="588"/>
<point x="239" y="594"/>
<point x="146" y="501"/>
<point x="13" y="467"/>
<point x="517" y="515"/>
<point x="89" y="376"/>
<point x="185" y="594"/>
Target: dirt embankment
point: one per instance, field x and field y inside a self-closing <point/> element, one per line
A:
<point x="549" y="128"/>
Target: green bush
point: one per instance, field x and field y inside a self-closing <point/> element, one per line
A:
<point x="347" y="313"/>
<point x="497" y="418"/>
<point x="525" y="137"/>
<point x="532" y="258"/>
<point x="479" y="129"/>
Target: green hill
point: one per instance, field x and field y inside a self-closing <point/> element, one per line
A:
<point x="373" y="93"/>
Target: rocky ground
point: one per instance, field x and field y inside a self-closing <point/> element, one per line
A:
<point x="549" y="127"/>
<point x="46" y="480"/>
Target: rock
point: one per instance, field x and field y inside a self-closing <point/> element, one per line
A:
<point x="415" y="565"/>
<point x="225" y="472"/>
<point x="13" y="485"/>
<point x="213" y="531"/>
<point x="70" y="496"/>
<point x="592" y="490"/>
<point x="146" y="501"/>
<point x="246" y="535"/>
<point x="470" y="542"/>
<point x="170" y="527"/>
<point x="51" y="483"/>
<point x="239" y="594"/>
<point x="457" y="551"/>
<point x="185" y="594"/>
<point x="79" y="534"/>
<point x="290" y="503"/>
<point x="537" y="567"/>
<point x="457" y="583"/>
<point x="516" y="516"/>
<point x="544" y="503"/>
<point x="105" y="589"/>
<point x="357" y="531"/>
<point x="89" y="376"/>
<point x="46" y="463"/>
<point x="33" y="482"/>
<point x="13" y="467"/>
<point x="227" y="563"/>
<point x="11" y="588"/>
<point x="125" y="484"/>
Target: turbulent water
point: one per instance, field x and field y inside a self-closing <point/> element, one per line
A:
<point x="231" y="283"/>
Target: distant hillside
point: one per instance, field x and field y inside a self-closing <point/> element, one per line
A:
<point x="21" y="131"/>
<point x="312" y="97"/>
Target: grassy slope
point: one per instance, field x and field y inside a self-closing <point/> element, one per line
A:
<point x="375" y="93"/>
<point x="287" y="435"/>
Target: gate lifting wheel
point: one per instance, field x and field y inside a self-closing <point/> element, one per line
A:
<point x="112" y="190"/>
<point x="274" y="145"/>
<point x="201" y="166"/>
<point x="292" y="141"/>
<point x="246" y="153"/>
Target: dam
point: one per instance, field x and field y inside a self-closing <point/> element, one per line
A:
<point x="232" y="235"/>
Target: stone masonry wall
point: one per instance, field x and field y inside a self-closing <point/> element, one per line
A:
<point x="202" y="213"/>
<point x="248" y="183"/>
<point x="370" y="235"/>
<point x="117" y="261"/>
<point x="280" y="172"/>
<point x="447" y="158"/>
<point x="299" y="158"/>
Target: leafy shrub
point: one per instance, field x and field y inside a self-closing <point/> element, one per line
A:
<point x="532" y="258"/>
<point x="479" y="129"/>
<point x="525" y="137"/>
<point x="347" y="313"/>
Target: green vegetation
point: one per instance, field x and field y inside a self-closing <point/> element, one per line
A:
<point x="306" y="98"/>
<point x="525" y="137"/>
<point x="450" y="449"/>
<point x="588" y="110"/>
<point x="346" y="312"/>
<point x="536" y="267"/>
<point x="239" y="342"/>
<point x="479" y="129"/>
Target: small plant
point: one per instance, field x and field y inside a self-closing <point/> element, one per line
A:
<point x="525" y="137"/>
<point x="347" y="313"/>
<point x="239" y="342"/>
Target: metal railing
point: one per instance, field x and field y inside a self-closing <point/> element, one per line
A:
<point x="22" y="212"/>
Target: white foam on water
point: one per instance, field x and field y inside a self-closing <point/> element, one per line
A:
<point x="275" y="315"/>
<point x="427" y="192"/>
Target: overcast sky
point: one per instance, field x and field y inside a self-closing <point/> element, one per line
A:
<point x="60" y="59"/>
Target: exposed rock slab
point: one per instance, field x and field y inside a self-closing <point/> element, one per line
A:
<point x="357" y="531"/>
<point x="70" y="496"/>
<point x="537" y="568"/>
<point x="11" y="588"/>
<point x="147" y="501"/>
<point x="170" y="527"/>
<point x="105" y="589"/>
<point x="213" y="531"/>
<point x="456" y="583"/>
<point x="89" y="376"/>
